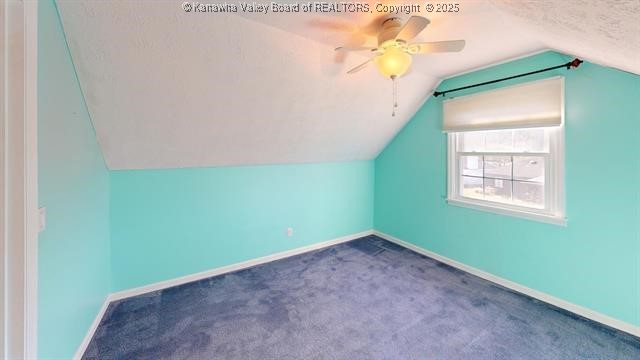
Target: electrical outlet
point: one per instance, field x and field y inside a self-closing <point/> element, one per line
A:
<point x="289" y="231"/>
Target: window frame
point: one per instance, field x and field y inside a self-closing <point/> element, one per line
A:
<point x="553" y="212"/>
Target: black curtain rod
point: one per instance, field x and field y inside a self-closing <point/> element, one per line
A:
<point x="571" y="64"/>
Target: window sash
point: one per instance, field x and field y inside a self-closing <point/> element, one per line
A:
<point x="547" y="174"/>
<point x="553" y="211"/>
<point x="489" y="153"/>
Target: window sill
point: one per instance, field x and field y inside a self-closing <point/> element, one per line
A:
<point x="503" y="210"/>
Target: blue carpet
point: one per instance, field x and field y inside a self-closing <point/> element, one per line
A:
<point x="365" y="299"/>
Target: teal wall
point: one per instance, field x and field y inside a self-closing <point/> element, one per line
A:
<point x="73" y="257"/>
<point x="170" y="223"/>
<point x="595" y="260"/>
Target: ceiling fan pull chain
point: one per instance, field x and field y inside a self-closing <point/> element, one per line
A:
<point x="395" y="91"/>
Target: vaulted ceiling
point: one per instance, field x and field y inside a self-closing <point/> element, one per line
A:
<point x="169" y="89"/>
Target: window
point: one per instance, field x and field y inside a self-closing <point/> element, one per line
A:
<point x="516" y="171"/>
<point x="507" y="170"/>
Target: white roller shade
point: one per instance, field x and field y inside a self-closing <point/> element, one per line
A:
<point x="532" y="104"/>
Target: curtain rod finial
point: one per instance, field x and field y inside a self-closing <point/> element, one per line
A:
<point x="574" y="63"/>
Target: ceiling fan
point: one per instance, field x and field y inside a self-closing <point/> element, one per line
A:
<point x="394" y="52"/>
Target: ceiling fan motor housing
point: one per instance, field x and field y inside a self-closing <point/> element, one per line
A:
<point x="390" y="29"/>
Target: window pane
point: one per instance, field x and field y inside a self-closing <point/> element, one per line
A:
<point x="497" y="190"/>
<point x="517" y="140"/>
<point x="497" y="167"/>
<point x="471" y="165"/>
<point x="472" y="187"/>
<point x="506" y="167"/>
<point x="471" y="141"/>
<point x="529" y="168"/>
<point x="531" y="140"/>
<point x="499" y="140"/>
<point x="528" y="194"/>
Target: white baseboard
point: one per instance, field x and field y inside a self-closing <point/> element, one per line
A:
<point x="233" y="267"/>
<point x="92" y="329"/>
<point x="576" y="309"/>
<point x="206" y="274"/>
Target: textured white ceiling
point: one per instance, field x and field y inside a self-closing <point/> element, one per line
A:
<point x="168" y="89"/>
<point x="604" y="31"/>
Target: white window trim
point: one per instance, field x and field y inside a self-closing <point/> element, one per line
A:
<point x="554" y="185"/>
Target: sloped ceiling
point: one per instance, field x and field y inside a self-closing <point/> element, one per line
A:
<point x="170" y="89"/>
<point x="604" y="31"/>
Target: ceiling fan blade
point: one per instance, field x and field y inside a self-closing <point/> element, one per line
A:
<point x="412" y="28"/>
<point x="359" y="67"/>
<point x="436" y="47"/>
<point x="354" y="48"/>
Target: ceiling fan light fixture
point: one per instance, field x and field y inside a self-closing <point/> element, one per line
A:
<point x="393" y="63"/>
<point x="395" y="49"/>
